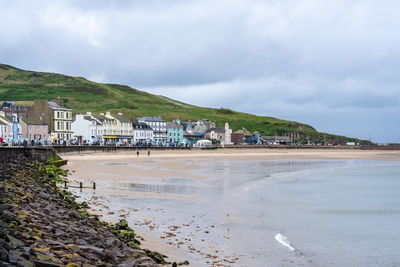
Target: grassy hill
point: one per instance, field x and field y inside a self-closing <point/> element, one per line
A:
<point x="82" y="95"/>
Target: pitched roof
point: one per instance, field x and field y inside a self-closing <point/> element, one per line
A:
<point x="33" y="121"/>
<point x="16" y="103"/>
<point x="89" y="118"/>
<point x="101" y="118"/>
<point x="278" y="138"/>
<point x="243" y="131"/>
<point x="217" y="130"/>
<point x="188" y="134"/>
<point x="173" y="125"/>
<point x="121" y="118"/>
<point x="150" y="119"/>
<point x="55" y="106"/>
<point x="4" y="119"/>
<point x="141" y="125"/>
<point x="6" y="104"/>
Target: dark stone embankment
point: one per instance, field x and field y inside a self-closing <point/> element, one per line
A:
<point x="42" y="225"/>
<point x="9" y="154"/>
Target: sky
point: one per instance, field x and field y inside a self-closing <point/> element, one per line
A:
<point x="331" y="64"/>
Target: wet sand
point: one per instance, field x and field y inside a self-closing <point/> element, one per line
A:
<point x="114" y="172"/>
<point x="386" y="155"/>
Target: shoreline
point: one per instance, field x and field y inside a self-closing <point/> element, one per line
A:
<point x="42" y="224"/>
<point x="111" y="169"/>
<point x="147" y="240"/>
<point x="385" y="155"/>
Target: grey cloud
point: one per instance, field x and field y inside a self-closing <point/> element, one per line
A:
<point x="279" y="58"/>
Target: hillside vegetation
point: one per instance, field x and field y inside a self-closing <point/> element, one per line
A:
<point x="82" y="95"/>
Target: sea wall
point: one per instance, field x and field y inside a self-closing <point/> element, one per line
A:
<point x="287" y="147"/>
<point x="9" y="154"/>
<point x="88" y="149"/>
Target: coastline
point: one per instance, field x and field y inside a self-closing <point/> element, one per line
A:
<point x="386" y="155"/>
<point x="161" y="165"/>
<point x="42" y="225"/>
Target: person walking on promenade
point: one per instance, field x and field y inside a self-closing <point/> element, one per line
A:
<point x="148" y="153"/>
<point x="137" y="153"/>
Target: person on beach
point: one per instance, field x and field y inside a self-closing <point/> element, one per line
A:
<point x="148" y="153"/>
<point x="137" y="153"/>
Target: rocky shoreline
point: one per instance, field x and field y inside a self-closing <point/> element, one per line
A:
<point x="42" y="225"/>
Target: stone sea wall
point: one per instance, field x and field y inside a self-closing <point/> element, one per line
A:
<point x="9" y="154"/>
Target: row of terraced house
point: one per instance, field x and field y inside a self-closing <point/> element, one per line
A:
<point x="50" y="121"/>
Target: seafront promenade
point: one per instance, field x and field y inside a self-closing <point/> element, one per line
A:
<point x="43" y="153"/>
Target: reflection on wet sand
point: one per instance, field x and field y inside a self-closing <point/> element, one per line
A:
<point x="190" y="204"/>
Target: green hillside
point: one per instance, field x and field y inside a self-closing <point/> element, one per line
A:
<point x="82" y="95"/>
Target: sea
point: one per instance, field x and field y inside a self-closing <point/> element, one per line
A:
<point x="272" y="212"/>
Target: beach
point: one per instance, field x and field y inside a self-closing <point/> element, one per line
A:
<point x="186" y="205"/>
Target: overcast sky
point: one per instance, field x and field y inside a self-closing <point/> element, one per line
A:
<point x="331" y="64"/>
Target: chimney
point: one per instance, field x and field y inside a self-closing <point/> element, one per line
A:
<point x="60" y="102"/>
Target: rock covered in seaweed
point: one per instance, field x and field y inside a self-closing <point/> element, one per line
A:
<point x="42" y="225"/>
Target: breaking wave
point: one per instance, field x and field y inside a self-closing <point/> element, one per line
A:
<point x="284" y="241"/>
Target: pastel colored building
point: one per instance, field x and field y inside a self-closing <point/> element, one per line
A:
<point x="123" y="127"/>
<point x="174" y="133"/>
<point x="34" y="129"/>
<point x="53" y="113"/>
<point x="106" y="128"/>
<point x="217" y="134"/>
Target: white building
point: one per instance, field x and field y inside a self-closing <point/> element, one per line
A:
<point x="106" y="128"/>
<point x="159" y="127"/>
<point x="85" y="128"/>
<point x="142" y="133"/>
<point x="124" y="130"/>
<point x="227" y="137"/>
<point x="6" y="132"/>
<point x="203" y="143"/>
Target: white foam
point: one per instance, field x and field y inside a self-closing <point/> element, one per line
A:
<point x="284" y="241"/>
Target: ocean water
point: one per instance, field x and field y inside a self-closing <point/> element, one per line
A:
<point x="347" y="214"/>
<point x="275" y="212"/>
